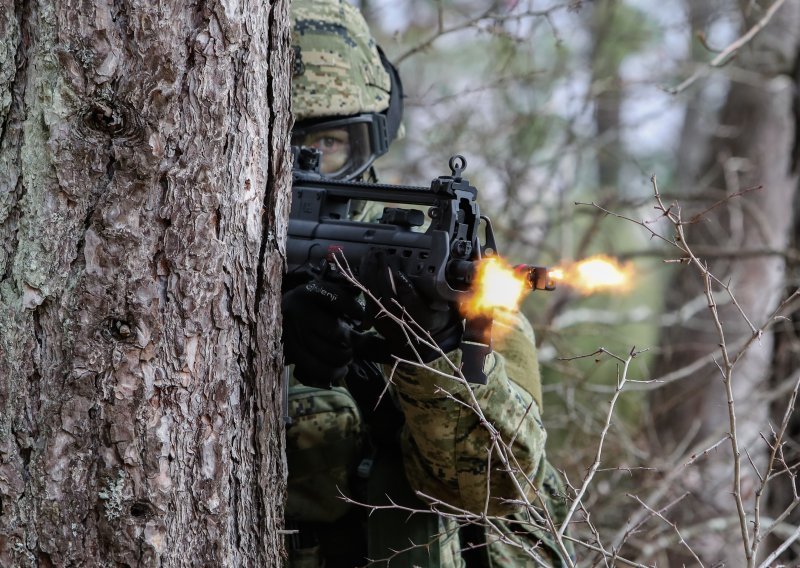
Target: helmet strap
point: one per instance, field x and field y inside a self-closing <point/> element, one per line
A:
<point x="394" y="114"/>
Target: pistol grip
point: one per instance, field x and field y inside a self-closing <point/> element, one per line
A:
<point x="473" y="358"/>
<point x="476" y="345"/>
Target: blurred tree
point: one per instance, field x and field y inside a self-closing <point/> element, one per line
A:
<point x="783" y="494"/>
<point x="739" y="221"/>
<point x="617" y="31"/>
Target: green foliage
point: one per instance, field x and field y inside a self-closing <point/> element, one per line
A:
<point x="619" y="30"/>
<point x="560" y="103"/>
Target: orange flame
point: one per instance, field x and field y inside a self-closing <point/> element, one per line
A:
<point x="600" y="273"/>
<point x="495" y="285"/>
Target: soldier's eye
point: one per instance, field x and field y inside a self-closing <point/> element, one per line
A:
<point x="335" y="147"/>
<point x="330" y="143"/>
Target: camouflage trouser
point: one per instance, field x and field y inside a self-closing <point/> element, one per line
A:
<point x="324" y="444"/>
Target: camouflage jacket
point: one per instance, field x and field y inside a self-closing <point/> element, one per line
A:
<point x="481" y="449"/>
<point x="466" y="451"/>
<point x="470" y="452"/>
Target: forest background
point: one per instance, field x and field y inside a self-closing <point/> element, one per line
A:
<point x="144" y="194"/>
<point x="662" y="134"/>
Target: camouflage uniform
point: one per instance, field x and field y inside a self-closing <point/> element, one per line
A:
<point x="445" y="449"/>
<point x="338" y="72"/>
<point x="441" y="446"/>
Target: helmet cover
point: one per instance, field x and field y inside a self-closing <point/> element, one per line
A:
<point x="337" y="70"/>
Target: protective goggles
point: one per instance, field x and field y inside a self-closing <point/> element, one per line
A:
<point x="348" y="145"/>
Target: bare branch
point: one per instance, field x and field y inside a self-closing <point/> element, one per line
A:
<point x="726" y="54"/>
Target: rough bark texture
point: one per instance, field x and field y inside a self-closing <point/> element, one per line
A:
<point x="753" y="147"/>
<point x="143" y="196"/>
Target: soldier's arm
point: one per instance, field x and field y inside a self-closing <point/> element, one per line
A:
<point x="479" y="453"/>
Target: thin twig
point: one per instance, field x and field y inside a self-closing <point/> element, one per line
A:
<point x="778" y="551"/>
<point x="598" y="454"/>
<point x="775" y="450"/>
<point x="726" y="54"/>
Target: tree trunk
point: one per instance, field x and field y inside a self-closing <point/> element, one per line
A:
<point x="607" y="94"/>
<point x="750" y="229"/>
<point x="143" y="196"/>
<point x="784" y="376"/>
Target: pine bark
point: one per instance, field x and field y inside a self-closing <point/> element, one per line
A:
<point x="143" y="200"/>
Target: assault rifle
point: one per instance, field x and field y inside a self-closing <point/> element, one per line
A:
<point x="440" y="260"/>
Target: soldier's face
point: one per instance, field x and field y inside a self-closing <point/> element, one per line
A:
<point x="334" y="145"/>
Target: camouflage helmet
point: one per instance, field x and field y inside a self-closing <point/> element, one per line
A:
<point x="347" y="96"/>
<point x="338" y="70"/>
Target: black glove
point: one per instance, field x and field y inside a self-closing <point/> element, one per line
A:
<point x="381" y="275"/>
<point x="318" y="334"/>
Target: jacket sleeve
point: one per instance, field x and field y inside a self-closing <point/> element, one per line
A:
<point x="450" y="440"/>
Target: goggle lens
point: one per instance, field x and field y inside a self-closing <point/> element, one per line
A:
<point x="334" y="145"/>
<point x="346" y="145"/>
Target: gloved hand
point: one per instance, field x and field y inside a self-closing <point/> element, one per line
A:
<point x="318" y="334"/>
<point x="382" y="276"/>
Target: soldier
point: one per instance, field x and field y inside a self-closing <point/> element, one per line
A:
<point x="360" y="460"/>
